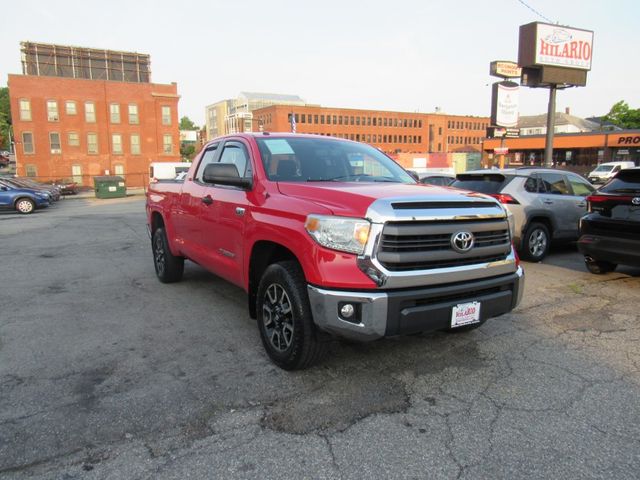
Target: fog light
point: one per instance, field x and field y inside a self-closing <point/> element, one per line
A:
<point x="347" y="311"/>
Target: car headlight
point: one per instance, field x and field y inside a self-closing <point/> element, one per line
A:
<point x="345" y="234"/>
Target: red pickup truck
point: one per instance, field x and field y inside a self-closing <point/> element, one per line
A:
<point x="331" y="237"/>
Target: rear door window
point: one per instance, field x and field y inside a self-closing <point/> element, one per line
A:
<point x="483" y="183"/>
<point x="554" y="183"/>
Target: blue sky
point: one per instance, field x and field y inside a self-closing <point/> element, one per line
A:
<point x="404" y="55"/>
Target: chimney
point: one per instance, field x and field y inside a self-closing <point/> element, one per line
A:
<point x="567" y="110"/>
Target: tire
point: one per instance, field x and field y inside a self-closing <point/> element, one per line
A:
<point x="169" y="268"/>
<point x="288" y="333"/>
<point x="599" y="267"/>
<point x="25" y="205"/>
<point x="536" y="242"/>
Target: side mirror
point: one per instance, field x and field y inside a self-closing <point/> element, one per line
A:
<point x="414" y="175"/>
<point x="3" y="188"/>
<point x="225" y="174"/>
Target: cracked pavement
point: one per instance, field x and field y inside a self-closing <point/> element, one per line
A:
<point x="105" y="373"/>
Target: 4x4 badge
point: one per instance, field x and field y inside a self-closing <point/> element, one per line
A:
<point x="462" y="242"/>
<point x="635" y="200"/>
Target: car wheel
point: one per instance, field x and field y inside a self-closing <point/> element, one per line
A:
<point x="25" y="205"/>
<point x="169" y="268"/>
<point x="599" y="267"/>
<point x="288" y="333"/>
<point x="536" y="242"/>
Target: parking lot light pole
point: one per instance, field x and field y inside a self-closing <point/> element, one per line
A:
<point x="551" y="121"/>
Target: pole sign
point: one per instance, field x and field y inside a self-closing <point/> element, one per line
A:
<point x="504" y="69"/>
<point x="555" y="45"/>
<point x="504" y="104"/>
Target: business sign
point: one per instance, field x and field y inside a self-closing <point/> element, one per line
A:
<point x="504" y="104"/>
<point x="501" y="150"/>
<point x="555" y="45"/>
<point x="504" y="69"/>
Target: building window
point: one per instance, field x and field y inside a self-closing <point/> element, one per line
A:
<point x="92" y="143"/>
<point x="118" y="169"/>
<point x="315" y="119"/>
<point x="31" y="170"/>
<point x="116" y="143"/>
<point x="52" y="111"/>
<point x="439" y="130"/>
<point x="73" y="139"/>
<point x="90" y="112"/>
<point x="114" y="113"/>
<point x="27" y="142"/>
<point x="167" y="144"/>
<point x="76" y="173"/>
<point x="166" y="115"/>
<point x="54" y="142"/>
<point x="25" y="109"/>
<point x="135" y="144"/>
<point x="70" y="107"/>
<point x="133" y="114"/>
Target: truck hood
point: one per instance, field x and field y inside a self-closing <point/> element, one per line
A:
<point x="353" y="199"/>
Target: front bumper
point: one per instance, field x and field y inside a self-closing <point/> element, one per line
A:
<point x="400" y="312"/>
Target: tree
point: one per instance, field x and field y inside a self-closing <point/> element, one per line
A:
<point x="623" y="116"/>
<point x="187" y="124"/>
<point x="187" y="150"/>
<point x="5" y="118"/>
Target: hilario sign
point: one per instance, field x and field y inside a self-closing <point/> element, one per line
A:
<point x="504" y="104"/>
<point x="555" y="45"/>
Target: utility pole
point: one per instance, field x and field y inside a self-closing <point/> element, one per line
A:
<point x="551" y="122"/>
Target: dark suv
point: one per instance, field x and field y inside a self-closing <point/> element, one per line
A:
<point x="610" y="232"/>
<point x="546" y="204"/>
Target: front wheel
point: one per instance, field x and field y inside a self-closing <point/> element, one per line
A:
<point x="599" y="267"/>
<point x="536" y="242"/>
<point x="25" y="205"/>
<point x="169" y="268"/>
<point x="287" y="331"/>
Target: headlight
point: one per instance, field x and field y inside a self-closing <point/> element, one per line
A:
<point x="339" y="233"/>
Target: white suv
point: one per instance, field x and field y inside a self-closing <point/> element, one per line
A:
<point x="546" y="204"/>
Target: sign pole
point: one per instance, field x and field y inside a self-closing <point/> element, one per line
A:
<point x="551" y="121"/>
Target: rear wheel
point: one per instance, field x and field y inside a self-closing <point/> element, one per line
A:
<point x="169" y="268"/>
<point x="599" y="267"/>
<point x="536" y="242"/>
<point x="25" y="205"/>
<point x="288" y="333"/>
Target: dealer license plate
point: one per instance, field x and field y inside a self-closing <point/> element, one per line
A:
<point x="465" y="314"/>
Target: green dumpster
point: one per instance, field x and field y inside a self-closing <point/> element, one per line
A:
<point x="109" y="186"/>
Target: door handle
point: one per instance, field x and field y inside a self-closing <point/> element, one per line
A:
<point x="548" y="202"/>
<point x="207" y="200"/>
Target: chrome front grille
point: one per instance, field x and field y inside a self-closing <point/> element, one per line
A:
<point x="419" y="245"/>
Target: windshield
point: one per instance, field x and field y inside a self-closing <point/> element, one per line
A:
<point x="311" y="159"/>
<point x="604" y="168"/>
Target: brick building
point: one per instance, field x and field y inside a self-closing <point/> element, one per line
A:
<point x="108" y="121"/>
<point x="392" y="132"/>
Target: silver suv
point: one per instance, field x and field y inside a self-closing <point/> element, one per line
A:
<point x="546" y="204"/>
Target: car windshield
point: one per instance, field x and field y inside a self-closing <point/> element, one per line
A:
<point x="627" y="181"/>
<point x="484" y="183"/>
<point x="604" y="168"/>
<point x="318" y="159"/>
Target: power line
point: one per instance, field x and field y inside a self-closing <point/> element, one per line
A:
<point x="536" y="12"/>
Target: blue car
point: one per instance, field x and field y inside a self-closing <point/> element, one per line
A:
<point x="23" y="200"/>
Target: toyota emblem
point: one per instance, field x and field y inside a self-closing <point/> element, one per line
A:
<point x="635" y="200"/>
<point x="462" y="242"/>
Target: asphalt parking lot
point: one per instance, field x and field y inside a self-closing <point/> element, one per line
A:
<point x="106" y="373"/>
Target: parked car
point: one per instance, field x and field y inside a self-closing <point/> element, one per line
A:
<point x="546" y="204"/>
<point x="22" y="199"/>
<point x="66" y="188"/>
<point x="22" y="182"/>
<point x="4" y="160"/>
<point x="605" y="171"/>
<point x="610" y="232"/>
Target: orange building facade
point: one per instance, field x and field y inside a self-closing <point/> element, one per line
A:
<point x="75" y="129"/>
<point x="391" y="132"/>
<point x="578" y="152"/>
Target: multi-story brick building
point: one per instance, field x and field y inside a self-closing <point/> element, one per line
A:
<point x="73" y="121"/>
<point x="392" y="132"/>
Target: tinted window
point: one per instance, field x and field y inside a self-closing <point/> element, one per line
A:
<point x="532" y="185"/>
<point x="235" y="153"/>
<point x="627" y="181"/>
<point x="554" y="183"/>
<point x="208" y="157"/>
<point x="579" y="186"/>
<point x="483" y="183"/>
